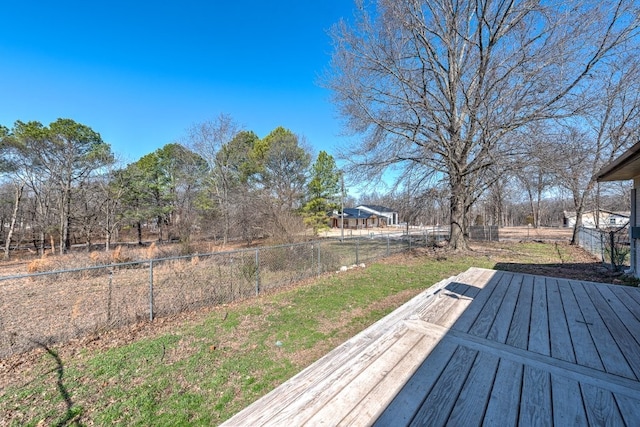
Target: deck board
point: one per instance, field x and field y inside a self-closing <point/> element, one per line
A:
<point x="519" y="329"/>
<point x="469" y="407"/>
<point x="586" y="353"/>
<point x="535" y="401"/>
<point x="499" y="330"/>
<point x="487" y="316"/>
<point x="504" y="402"/>
<point x="568" y="406"/>
<point x="435" y="409"/>
<point x="629" y="409"/>
<point x="482" y="348"/>
<point x="561" y="346"/>
<point x="408" y="401"/>
<point x="612" y="358"/>
<point x="623" y="338"/>
<point x="601" y="407"/>
<point x="539" y="326"/>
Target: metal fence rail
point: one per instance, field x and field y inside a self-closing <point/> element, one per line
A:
<point x="45" y="308"/>
<point x="488" y="233"/>
<point x="610" y="246"/>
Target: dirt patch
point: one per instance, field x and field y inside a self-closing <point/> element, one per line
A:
<point x="540" y="233"/>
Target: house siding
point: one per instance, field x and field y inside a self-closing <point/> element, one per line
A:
<point x="634" y="221"/>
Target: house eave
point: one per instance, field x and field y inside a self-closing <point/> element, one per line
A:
<point x="625" y="167"/>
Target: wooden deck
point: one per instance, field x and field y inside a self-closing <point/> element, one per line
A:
<point x="484" y="347"/>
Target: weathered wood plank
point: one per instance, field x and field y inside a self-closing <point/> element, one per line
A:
<point x="568" y="407"/>
<point x="346" y="397"/>
<point x="449" y="304"/>
<point x="630" y="320"/>
<point x="407" y="402"/>
<point x="310" y="387"/>
<point x="436" y="408"/>
<point x="535" y="405"/>
<point x="487" y="315"/>
<point x="326" y="383"/>
<point x="561" y="345"/>
<point x="582" y="374"/>
<point x="464" y="289"/>
<point x="629" y="409"/>
<point x="470" y="406"/>
<point x="335" y="366"/>
<point x="583" y="346"/>
<point x="519" y="328"/>
<point x="631" y="295"/>
<point x="610" y="355"/>
<point x="504" y="402"/>
<point x="504" y="317"/>
<point x="539" y="329"/>
<point x="372" y="405"/>
<point x="477" y="277"/>
<point x="449" y="311"/>
<point x="466" y="320"/>
<point x="619" y="330"/>
<point x="600" y="406"/>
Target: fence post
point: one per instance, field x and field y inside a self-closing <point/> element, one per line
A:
<point x="357" y="248"/>
<point x="151" y="290"/>
<point x="611" y="249"/>
<point x="388" y="241"/>
<point x="319" y="261"/>
<point x="257" y="271"/>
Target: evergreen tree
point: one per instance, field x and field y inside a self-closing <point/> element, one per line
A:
<point x="323" y="190"/>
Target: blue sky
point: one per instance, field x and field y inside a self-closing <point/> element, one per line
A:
<point x="141" y="73"/>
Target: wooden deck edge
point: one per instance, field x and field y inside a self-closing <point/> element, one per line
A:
<point x="276" y="400"/>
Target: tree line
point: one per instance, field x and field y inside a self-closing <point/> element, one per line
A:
<point x="62" y="186"/>
<point x="462" y="100"/>
<point x="460" y="95"/>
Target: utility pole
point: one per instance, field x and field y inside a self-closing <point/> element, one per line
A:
<point x="341" y="206"/>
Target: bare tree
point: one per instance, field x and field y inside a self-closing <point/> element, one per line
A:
<point x="443" y="85"/>
<point x="209" y="140"/>
<point x="18" y="192"/>
<point x="600" y="133"/>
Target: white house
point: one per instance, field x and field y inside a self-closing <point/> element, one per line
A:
<point x="364" y="216"/>
<point x="627" y="167"/>
<point x="388" y="216"/>
<point x="605" y="219"/>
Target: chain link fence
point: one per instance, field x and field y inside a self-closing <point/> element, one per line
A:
<point x="50" y="307"/>
<point x="610" y="246"/>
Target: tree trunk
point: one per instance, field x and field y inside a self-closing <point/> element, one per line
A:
<point x="575" y="240"/>
<point x="65" y="213"/>
<point x="457" y="239"/>
<point x="14" y="216"/>
<point x="139" y="232"/>
<point x="67" y="222"/>
<point x="107" y="243"/>
<point x="160" y="228"/>
<point x="42" y="243"/>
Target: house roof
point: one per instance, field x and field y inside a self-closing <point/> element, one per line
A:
<point x="356" y="213"/>
<point x="376" y="208"/>
<point x="627" y="166"/>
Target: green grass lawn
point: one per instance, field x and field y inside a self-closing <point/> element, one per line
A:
<point x="202" y="370"/>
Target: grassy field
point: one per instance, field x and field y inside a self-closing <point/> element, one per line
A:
<point x="201" y="368"/>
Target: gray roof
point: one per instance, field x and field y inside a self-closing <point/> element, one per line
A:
<point x="356" y="213"/>
<point x="377" y="208"/>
